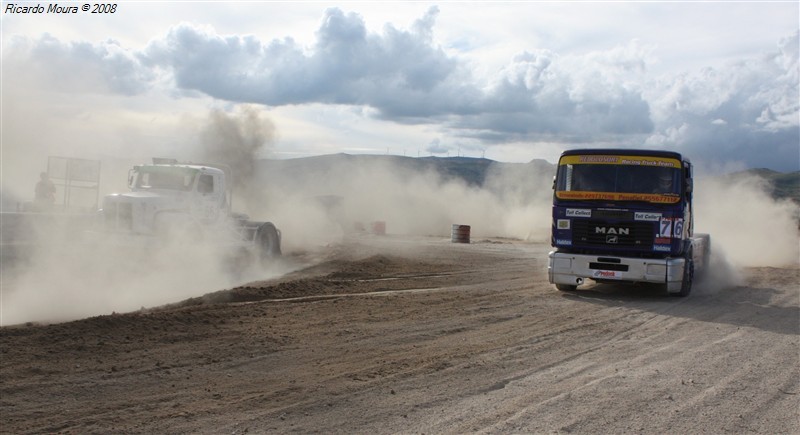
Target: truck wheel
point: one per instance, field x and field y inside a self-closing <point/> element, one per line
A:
<point x="688" y="277"/>
<point x="269" y="242"/>
<point x="566" y="287"/>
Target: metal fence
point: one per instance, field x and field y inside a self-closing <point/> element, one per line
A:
<point x="77" y="182"/>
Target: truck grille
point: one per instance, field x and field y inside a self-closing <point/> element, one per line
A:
<point x="623" y="234"/>
<point x="118" y="216"/>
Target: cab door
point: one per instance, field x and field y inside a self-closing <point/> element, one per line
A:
<point x="209" y="190"/>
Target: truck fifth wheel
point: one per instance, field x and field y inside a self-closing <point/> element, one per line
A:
<point x="625" y="216"/>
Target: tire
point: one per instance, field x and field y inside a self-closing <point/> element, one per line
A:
<point x="269" y="242"/>
<point x="566" y="287"/>
<point x="688" y="277"/>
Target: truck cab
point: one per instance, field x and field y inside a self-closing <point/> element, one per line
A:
<point x="164" y="195"/>
<point x="624" y="215"/>
<point x="187" y="202"/>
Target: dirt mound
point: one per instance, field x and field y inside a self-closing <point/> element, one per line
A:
<point x="340" y="276"/>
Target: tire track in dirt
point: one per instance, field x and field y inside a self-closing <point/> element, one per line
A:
<point x="659" y="352"/>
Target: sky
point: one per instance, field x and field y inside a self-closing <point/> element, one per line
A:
<point x="509" y="81"/>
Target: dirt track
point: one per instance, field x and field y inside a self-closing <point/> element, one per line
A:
<point x="399" y="335"/>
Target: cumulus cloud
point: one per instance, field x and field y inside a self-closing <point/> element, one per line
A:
<point x="749" y="109"/>
<point x="746" y="110"/>
<point x="393" y="72"/>
<point x="104" y="67"/>
<point x="543" y="94"/>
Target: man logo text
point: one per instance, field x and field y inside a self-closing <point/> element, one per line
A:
<point x="612" y="230"/>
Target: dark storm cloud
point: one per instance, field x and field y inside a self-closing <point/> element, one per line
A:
<point x="405" y="77"/>
<point x="392" y="72"/>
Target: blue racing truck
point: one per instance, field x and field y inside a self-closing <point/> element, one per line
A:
<point x="625" y="216"/>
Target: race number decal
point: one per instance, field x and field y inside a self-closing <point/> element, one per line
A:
<point x="665" y="228"/>
<point x="678" y="229"/>
<point x="670" y="227"/>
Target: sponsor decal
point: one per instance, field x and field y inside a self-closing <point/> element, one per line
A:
<point x="606" y="274"/>
<point x="564" y="242"/>
<point x="614" y="196"/>
<point x="563" y="224"/>
<point x="662" y="162"/>
<point x="646" y="216"/>
<point x="661" y="248"/>
<point x="662" y="241"/>
<point x="579" y="212"/>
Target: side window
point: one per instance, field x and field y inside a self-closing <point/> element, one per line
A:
<point x="205" y="184"/>
<point x="564" y="180"/>
<point x="144" y="180"/>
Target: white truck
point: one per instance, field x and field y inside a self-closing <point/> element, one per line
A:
<point x="168" y="199"/>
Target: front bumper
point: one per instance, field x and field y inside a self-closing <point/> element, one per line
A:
<point x="574" y="269"/>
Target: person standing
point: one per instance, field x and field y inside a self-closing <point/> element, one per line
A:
<point x="45" y="195"/>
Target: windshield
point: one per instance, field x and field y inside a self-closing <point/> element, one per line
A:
<point x="620" y="178"/>
<point x="169" y="178"/>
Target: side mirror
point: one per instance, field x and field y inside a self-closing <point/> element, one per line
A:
<point x="687" y="188"/>
<point x="554" y="182"/>
<point x="130" y="178"/>
<point x="687" y="178"/>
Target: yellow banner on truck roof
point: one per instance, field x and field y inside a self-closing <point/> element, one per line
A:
<point x="600" y="159"/>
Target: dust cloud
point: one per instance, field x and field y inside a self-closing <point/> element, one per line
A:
<point x="237" y="140"/>
<point x="64" y="273"/>
<point x="747" y="226"/>
<point x="77" y="276"/>
<point x="318" y="203"/>
<point x="62" y="265"/>
<point x="323" y="199"/>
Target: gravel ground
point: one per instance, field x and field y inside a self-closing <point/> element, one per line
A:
<point x="420" y="335"/>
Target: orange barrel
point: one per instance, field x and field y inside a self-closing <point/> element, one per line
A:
<point x="379" y="228"/>
<point x="460" y="233"/>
